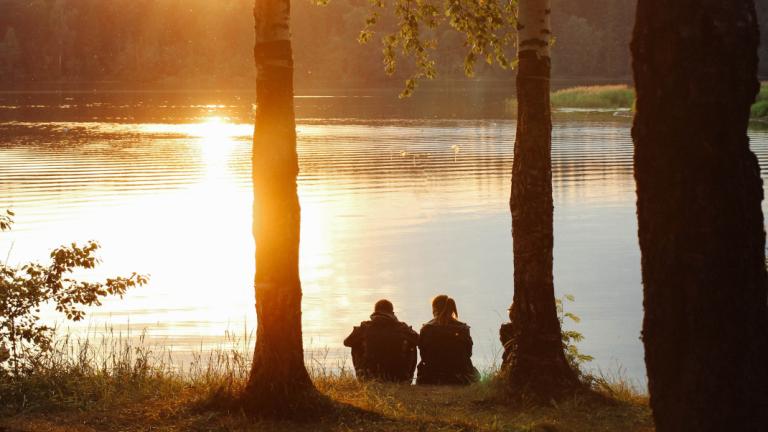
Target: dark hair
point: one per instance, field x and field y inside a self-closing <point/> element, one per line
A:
<point x="384" y="305"/>
<point x="444" y="309"/>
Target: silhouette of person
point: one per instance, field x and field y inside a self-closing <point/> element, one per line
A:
<point x="446" y="347"/>
<point x="383" y="348"/>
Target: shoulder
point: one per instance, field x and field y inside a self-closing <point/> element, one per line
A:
<point x="427" y="327"/>
<point x="406" y="328"/>
<point x="462" y="328"/>
<point x="456" y="326"/>
<point x="430" y="323"/>
<point x="362" y="328"/>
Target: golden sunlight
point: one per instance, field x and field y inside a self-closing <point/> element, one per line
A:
<point x="214" y="128"/>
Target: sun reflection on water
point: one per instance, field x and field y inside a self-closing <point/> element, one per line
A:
<point x="175" y="201"/>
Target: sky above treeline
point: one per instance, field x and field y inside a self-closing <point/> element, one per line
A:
<point x="209" y="43"/>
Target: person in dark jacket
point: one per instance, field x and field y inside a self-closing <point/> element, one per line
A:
<point x="446" y="347"/>
<point x="383" y="348"/>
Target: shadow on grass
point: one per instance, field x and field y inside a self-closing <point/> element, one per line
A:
<point x="315" y="412"/>
<point x="371" y="407"/>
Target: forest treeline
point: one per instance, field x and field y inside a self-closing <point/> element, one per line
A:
<point x="207" y="43"/>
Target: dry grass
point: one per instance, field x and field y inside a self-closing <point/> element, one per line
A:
<point x="128" y="386"/>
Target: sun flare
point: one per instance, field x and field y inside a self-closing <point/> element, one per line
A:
<point x="214" y="128"/>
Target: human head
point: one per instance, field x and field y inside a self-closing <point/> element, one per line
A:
<point x="384" y="306"/>
<point x="444" y="309"/>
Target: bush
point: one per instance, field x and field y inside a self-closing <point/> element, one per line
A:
<point x="571" y="337"/>
<point x="25" y="289"/>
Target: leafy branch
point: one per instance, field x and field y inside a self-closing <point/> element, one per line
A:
<point x="488" y="27"/>
<point x="25" y="289"/>
<point x="571" y="337"/>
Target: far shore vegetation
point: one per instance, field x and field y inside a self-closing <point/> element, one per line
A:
<point x="620" y="97"/>
<point x="112" y="383"/>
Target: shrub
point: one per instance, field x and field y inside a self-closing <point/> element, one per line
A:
<point x="571" y="337"/>
<point x="25" y="289"/>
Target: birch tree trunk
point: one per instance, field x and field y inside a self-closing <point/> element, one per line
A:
<point x="536" y="366"/>
<point x="700" y="221"/>
<point x="279" y="381"/>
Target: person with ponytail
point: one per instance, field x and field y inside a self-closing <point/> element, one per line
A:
<point x="446" y="347"/>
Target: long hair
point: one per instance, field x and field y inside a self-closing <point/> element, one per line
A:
<point x="444" y="309"/>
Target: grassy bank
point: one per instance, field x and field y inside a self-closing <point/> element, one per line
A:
<point x="620" y="97"/>
<point x="594" y="97"/>
<point x="760" y="107"/>
<point x="602" y="98"/>
<point x="124" y="386"/>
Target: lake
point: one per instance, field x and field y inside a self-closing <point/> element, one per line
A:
<point x="400" y="199"/>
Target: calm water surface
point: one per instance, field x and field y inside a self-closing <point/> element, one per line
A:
<point x="402" y="209"/>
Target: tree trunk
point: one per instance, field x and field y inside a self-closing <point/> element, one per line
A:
<point x="536" y="366"/>
<point x="279" y="382"/>
<point x="701" y="231"/>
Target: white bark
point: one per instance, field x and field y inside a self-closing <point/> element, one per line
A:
<point x="272" y="20"/>
<point x="534" y="28"/>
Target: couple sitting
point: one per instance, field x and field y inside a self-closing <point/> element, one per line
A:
<point x="385" y="348"/>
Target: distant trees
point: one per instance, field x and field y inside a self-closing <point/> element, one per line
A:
<point x="9" y="55"/>
<point x="701" y="226"/>
<point x="598" y="30"/>
<point x="278" y="380"/>
<point x="207" y="43"/>
<point x="202" y="42"/>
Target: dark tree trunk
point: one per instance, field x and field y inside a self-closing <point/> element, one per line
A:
<point x="536" y="366"/>
<point x="700" y="221"/>
<point x="279" y="383"/>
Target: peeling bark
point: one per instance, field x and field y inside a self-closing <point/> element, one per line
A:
<point x="279" y="383"/>
<point x="700" y="221"/>
<point x="536" y="366"/>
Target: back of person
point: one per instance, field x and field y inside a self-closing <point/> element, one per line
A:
<point x="446" y="352"/>
<point x="383" y="348"/>
<point x="446" y="347"/>
<point x="389" y="351"/>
